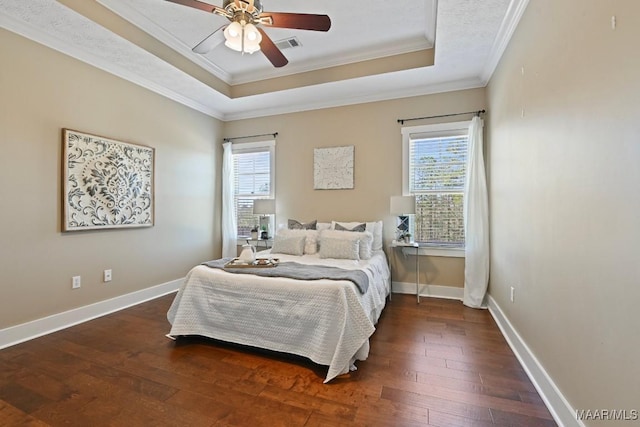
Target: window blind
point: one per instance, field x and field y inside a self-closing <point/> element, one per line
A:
<point x="252" y="180"/>
<point x="437" y="169"/>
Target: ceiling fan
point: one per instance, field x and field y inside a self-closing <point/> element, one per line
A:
<point x="244" y="35"/>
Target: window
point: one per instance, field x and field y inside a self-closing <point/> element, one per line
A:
<point x="253" y="166"/>
<point x="434" y="170"/>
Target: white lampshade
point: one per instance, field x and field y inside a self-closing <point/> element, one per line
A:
<point x="252" y="38"/>
<point x="264" y="206"/>
<point x="403" y="205"/>
<point x="242" y="37"/>
<point x="233" y="36"/>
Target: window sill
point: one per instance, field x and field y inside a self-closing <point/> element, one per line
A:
<point x="436" y="251"/>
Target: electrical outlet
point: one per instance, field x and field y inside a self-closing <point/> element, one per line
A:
<point x="76" y="281"/>
<point x="107" y="275"/>
<point x="513" y="294"/>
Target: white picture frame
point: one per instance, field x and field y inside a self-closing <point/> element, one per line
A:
<point x="333" y="168"/>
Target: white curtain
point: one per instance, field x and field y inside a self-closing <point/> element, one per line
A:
<point x="229" y="228"/>
<point x="476" y="221"/>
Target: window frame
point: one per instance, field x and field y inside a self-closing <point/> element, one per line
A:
<point x="430" y="131"/>
<point x="255" y="147"/>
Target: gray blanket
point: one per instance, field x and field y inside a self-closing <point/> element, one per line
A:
<point x="294" y="270"/>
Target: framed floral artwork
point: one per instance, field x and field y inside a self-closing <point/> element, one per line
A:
<point x="107" y="183"/>
<point x="333" y="168"/>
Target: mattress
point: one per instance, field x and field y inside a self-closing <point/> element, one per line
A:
<point x="327" y="321"/>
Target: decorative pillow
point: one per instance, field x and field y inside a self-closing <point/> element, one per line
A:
<point x="359" y="227"/>
<point x="377" y="236"/>
<point x="366" y="245"/>
<point x="339" y="248"/>
<point x="297" y="225"/>
<point x="364" y="238"/>
<point x="373" y="227"/>
<point x="323" y="226"/>
<point x="293" y="245"/>
<point x="310" y="242"/>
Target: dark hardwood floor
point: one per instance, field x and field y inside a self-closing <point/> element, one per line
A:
<point x="437" y="363"/>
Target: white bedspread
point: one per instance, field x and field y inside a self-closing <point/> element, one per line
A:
<point x="327" y="321"/>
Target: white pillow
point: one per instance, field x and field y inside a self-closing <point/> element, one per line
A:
<point x="377" y="236"/>
<point x="374" y="228"/>
<point x="293" y="245"/>
<point x="310" y="241"/>
<point x="331" y="247"/>
<point x="364" y="238"/>
<point x="323" y="226"/>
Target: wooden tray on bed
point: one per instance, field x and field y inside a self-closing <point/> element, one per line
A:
<point x="258" y="263"/>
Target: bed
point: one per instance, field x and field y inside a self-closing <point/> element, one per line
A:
<point x="326" y="321"/>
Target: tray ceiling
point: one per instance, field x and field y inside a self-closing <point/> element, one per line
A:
<point x="375" y="49"/>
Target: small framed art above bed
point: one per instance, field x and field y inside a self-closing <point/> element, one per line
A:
<point x="321" y="301"/>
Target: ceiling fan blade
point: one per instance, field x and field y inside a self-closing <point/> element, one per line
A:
<point x="271" y="51"/>
<point x="298" y="21"/>
<point x="196" y="5"/>
<point x="211" y="41"/>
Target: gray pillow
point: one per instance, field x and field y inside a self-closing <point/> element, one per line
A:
<point x="358" y="228"/>
<point x="292" y="224"/>
<point x="290" y="245"/>
<point x="310" y="239"/>
<point x="364" y="238"/>
<point x="340" y="248"/>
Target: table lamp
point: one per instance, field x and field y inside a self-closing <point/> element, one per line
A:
<point x="265" y="208"/>
<point x="403" y="206"/>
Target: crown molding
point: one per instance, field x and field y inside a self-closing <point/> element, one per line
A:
<point x="303" y="99"/>
<point x="463" y="84"/>
<point x="137" y="19"/>
<point x="32" y="33"/>
<point x="132" y="15"/>
<point x="507" y="28"/>
<point x="334" y="61"/>
<point x="432" y="18"/>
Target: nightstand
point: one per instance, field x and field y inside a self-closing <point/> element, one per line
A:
<point x="401" y="245"/>
<point x="260" y="242"/>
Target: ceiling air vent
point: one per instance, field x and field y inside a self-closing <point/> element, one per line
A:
<point x="288" y="43"/>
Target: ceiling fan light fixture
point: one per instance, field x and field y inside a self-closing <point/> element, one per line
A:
<point x="252" y="38"/>
<point x="251" y="32"/>
<point x="233" y="30"/>
<point x="233" y="36"/>
<point x="242" y="37"/>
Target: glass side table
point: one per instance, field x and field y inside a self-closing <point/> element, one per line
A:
<point x="397" y="244"/>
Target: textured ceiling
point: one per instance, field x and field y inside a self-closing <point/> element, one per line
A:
<point x="361" y="31"/>
<point x="119" y="36"/>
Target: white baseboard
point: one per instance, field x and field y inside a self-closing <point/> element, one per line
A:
<point x="433" y="291"/>
<point x="559" y="407"/>
<point x="37" y="328"/>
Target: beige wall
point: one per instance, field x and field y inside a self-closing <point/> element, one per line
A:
<point x="373" y="129"/>
<point x="43" y="91"/>
<point x="565" y="195"/>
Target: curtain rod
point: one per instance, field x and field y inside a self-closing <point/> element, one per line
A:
<point x="274" y="134"/>
<point x="401" y="121"/>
